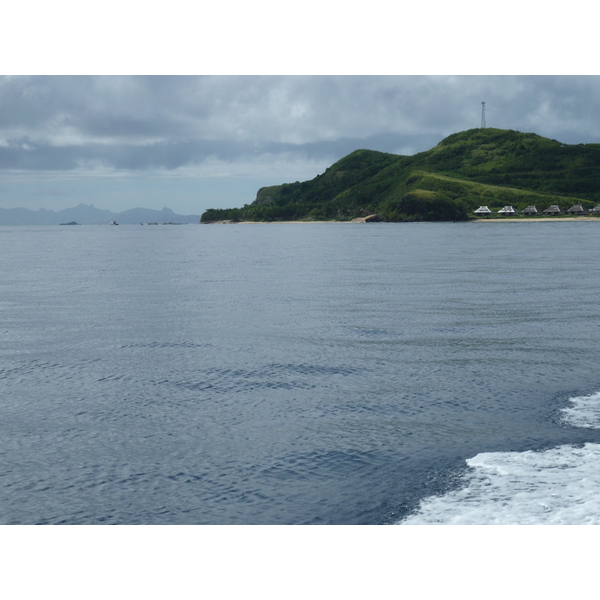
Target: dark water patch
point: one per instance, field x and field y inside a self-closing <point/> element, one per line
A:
<point x="167" y="345"/>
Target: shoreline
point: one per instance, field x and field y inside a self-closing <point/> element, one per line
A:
<point x="357" y="220"/>
<point x="364" y="220"/>
<point x="529" y="219"/>
<point x="267" y="222"/>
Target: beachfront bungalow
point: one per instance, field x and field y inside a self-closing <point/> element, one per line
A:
<point x="553" y="210"/>
<point x="595" y="210"/>
<point x="484" y="210"/>
<point x="530" y="210"/>
<point x="577" y="209"/>
<point x="508" y="210"/>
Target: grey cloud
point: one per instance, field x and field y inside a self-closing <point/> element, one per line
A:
<point x="155" y="122"/>
<point x="175" y="154"/>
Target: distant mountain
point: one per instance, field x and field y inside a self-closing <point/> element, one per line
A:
<point x="492" y="167"/>
<point x="83" y="214"/>
<point x="146" y="215"/>
<point x="89" y="215"/>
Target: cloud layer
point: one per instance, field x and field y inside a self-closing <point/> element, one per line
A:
<point x="156" y="122"/>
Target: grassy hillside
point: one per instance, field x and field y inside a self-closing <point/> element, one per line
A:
<point x="494" y="167"/>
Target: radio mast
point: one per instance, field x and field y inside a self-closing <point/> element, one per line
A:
<point x="483" y="115"/>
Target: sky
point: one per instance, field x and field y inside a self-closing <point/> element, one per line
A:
<point x="222" y="105"/>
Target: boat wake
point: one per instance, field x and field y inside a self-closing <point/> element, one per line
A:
<point x="556" y="486"/>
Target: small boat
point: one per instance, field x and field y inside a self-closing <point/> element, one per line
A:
<point x="113" y="223"/>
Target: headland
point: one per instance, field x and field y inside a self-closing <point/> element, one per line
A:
<point x="479" y="167"/>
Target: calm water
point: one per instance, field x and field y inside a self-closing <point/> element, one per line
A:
<point x="292" y="374"/>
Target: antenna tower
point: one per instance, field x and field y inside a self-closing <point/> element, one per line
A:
<point x="483" y="115"/>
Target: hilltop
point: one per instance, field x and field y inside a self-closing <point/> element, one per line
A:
<point x="492" y="167"/>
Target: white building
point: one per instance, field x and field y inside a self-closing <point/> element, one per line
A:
<point x="530" y="210"/>
<point x="577" y="209"/>
<point x="483" y="210"/>
<point x="553" y="210"/>
<point x="508" y="210"/>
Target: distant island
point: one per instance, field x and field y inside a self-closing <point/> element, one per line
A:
<point x="85" y="214"/>
<point x="479" y="167"/>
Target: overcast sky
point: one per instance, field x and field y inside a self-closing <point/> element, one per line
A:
<point x="195" y="142"/>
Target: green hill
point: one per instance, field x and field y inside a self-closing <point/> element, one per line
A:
<point x="492" y="167"/>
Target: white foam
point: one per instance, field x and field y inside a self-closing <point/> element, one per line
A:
<point x="556" y="486"/>
<point x="584" y="412"/>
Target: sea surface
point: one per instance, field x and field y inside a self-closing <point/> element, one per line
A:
<point x="326" y="373"/>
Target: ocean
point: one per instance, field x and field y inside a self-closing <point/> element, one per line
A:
<point x="325" y="373"/>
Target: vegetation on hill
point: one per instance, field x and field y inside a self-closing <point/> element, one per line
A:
<point x="492" y="167"/>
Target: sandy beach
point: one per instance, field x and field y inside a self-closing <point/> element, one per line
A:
<point x="529" y="219"/>
<point x="364" y="220"/>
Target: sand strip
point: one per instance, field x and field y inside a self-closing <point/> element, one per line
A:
<point x="530" y="219"/>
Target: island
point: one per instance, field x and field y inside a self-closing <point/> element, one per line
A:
<point x="467" y="170"/>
